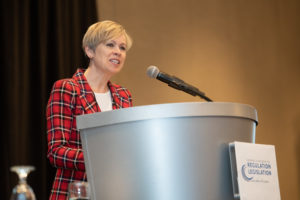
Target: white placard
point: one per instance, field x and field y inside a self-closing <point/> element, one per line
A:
<point x="254" y="171"/>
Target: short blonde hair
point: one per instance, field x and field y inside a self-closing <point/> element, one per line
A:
<point x="103" y="31"/>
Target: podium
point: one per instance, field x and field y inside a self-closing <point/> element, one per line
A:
<point x="176" y="151"/>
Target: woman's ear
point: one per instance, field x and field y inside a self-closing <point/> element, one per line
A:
<point x="89" y="52"/>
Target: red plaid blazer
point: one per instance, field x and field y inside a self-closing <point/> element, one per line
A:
<point x="69" y="98"/>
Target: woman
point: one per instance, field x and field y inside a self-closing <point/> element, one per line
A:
<point x="88" y="91"/>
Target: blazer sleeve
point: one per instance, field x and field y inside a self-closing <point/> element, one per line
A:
<point x="60" y="118"/>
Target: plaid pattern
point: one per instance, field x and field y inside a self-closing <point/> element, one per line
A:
<point x="69" y="98"/>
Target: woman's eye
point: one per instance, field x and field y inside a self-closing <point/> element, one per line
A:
<point x="110" y="44"/>
<point x="123" y="48"/>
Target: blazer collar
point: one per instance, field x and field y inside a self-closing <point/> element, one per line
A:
<point x="87" y="95"/>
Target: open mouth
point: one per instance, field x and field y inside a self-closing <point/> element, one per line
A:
<point x="115" y="61"/>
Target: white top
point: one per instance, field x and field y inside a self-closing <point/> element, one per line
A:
<point x="104" y="101"/>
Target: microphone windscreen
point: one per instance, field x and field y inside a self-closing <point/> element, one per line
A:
<point x="152" y="71"/>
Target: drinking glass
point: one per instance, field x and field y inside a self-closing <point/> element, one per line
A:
<point x="79" y="190"/>
<point x="22" y="191"/>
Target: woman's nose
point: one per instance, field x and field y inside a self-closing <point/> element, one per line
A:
<point x="117" y="51"/>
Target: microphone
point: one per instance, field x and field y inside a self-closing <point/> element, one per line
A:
<point x="174" y="82"/>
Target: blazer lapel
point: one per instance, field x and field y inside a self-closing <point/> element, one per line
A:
<point x="115" y="96"/>
<point x="87" y="97"/>
<point x="89" y="103"/>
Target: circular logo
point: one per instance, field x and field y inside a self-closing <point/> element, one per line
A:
<point x="244" y="174"/>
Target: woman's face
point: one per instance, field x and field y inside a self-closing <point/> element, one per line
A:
<point x="109" y="57"/>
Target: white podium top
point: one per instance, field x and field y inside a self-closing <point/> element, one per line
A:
<point x="170" y="110"/>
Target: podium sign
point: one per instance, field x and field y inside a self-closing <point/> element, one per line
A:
<point x="254" y="171"/>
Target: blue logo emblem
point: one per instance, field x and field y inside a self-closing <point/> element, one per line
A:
<point x="244" y="174"/>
